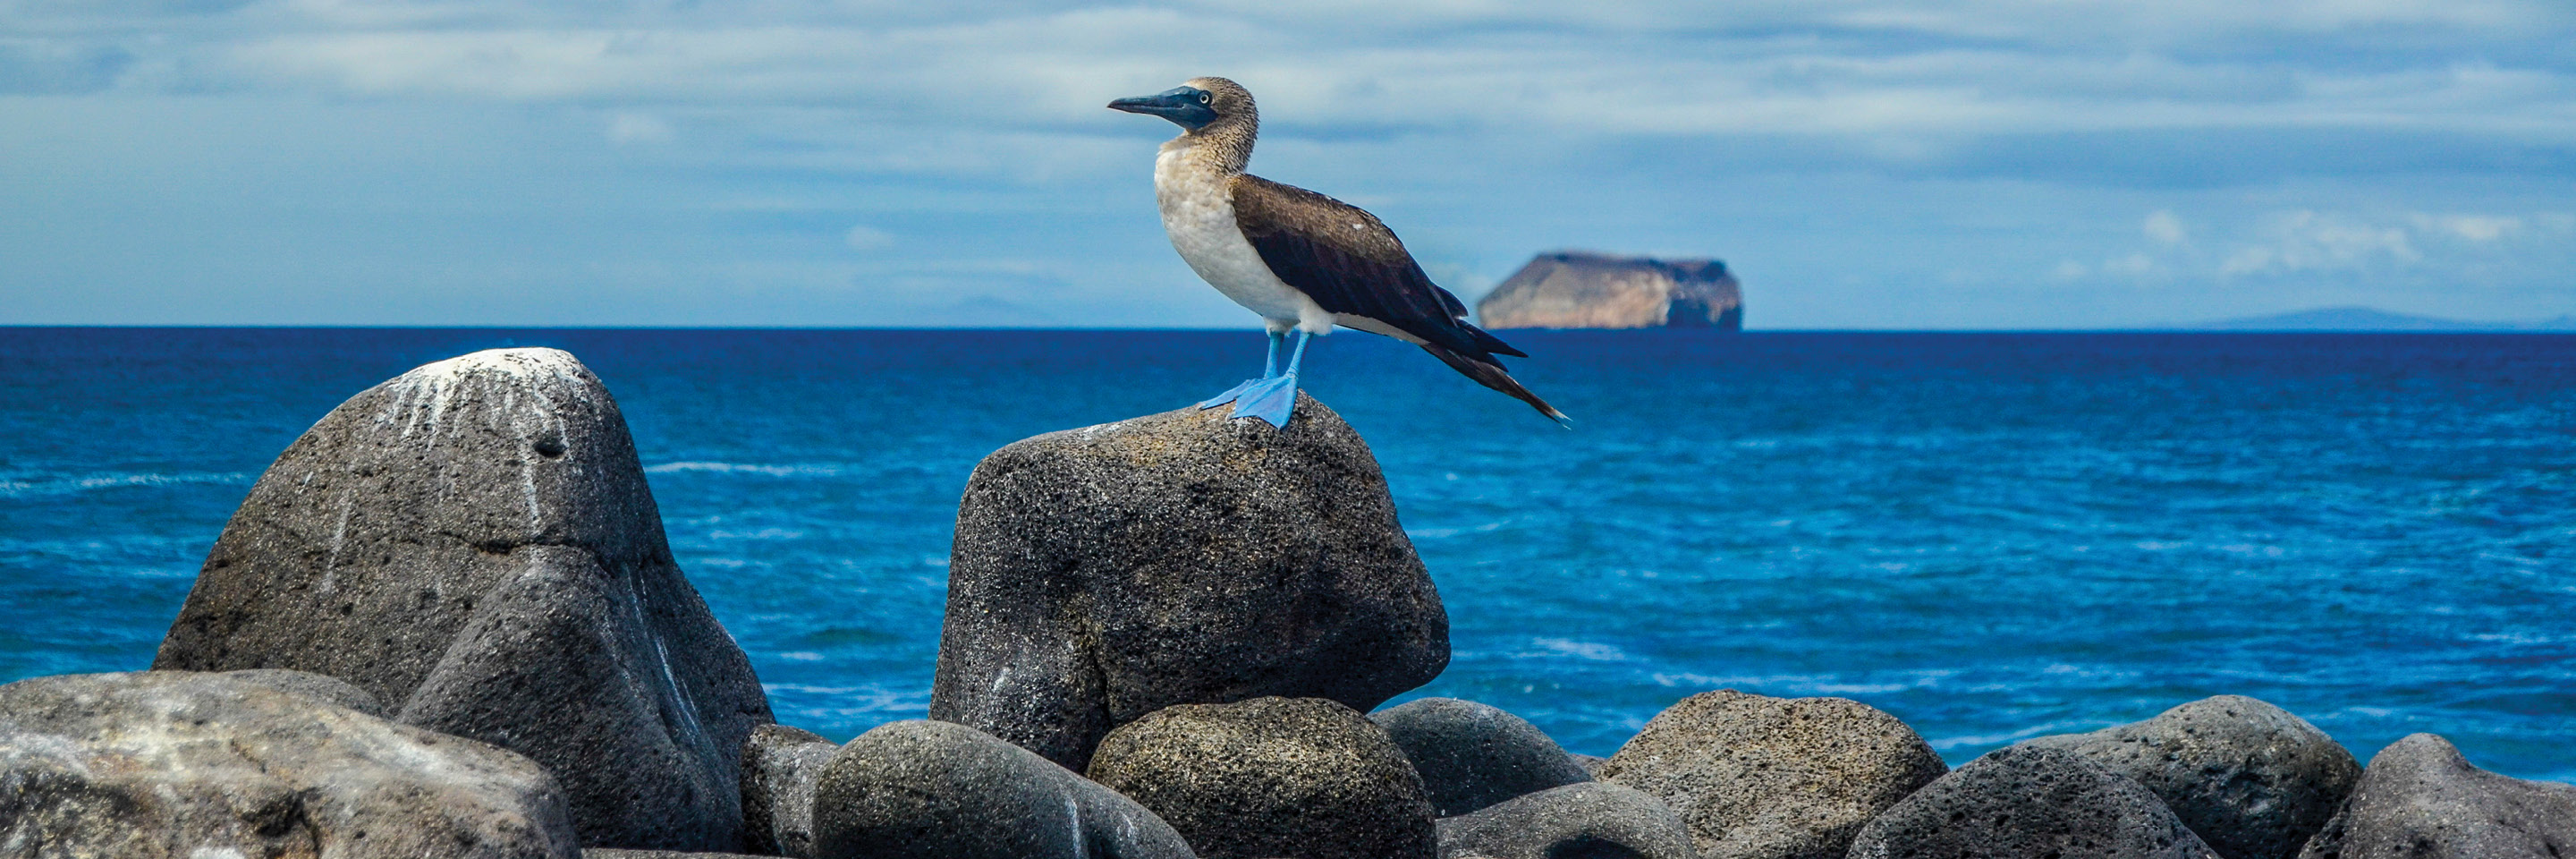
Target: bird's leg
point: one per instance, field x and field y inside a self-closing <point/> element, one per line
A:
<point x="1275" y="398"/>
<point x="1295" y="358"/>
<point x="1269" y="370"/>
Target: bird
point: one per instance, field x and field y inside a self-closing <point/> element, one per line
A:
<point x="1303" y="261"/>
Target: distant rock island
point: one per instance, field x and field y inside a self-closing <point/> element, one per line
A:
<point x="1577" y="289"/>
<point x="2358" y="318"/>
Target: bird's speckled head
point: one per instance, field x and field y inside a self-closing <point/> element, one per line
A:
<point x="1197" y="105"/>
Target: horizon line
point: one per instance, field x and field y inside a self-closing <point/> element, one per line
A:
<point x="2133" y="329"/>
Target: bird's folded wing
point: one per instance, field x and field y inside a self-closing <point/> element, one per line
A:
<point x="1349" y="263"/>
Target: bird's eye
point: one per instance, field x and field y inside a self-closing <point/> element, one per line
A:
<point x="1203" y="97"/>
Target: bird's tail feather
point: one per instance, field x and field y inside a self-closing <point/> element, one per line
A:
<point x="1491" y="375"/>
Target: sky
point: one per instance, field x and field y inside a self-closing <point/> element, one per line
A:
<point x="1970" y="164"/>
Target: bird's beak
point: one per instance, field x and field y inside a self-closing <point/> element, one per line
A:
<point x="1180" y="105"/>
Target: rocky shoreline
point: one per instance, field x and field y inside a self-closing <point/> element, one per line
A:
<point x="446" y="623"/>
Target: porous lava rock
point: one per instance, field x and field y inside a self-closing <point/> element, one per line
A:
<point x="186" y="765"/>
<point x="1577" y="821"/>
<point x="2253" y="780"/>
<point x="1774" y="778"/>
<point x="1473" y="755"/>
<point x="319" y="687"/>
<point x="1104" y="573"/>
<point x="1306" y="778"/>
<point x="2030" y="801"/>
<point x="473" y="543"/>
<point x="933" y="790"/>
<point x="779" y="766"/>
<point x="2421" y="799"/>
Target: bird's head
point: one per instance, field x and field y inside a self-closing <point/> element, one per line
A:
<point x="1194" y="105"/>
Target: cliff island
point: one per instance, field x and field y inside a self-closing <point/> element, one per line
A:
<point x="1580" y="289"/>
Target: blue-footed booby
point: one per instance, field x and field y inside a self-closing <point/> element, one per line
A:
<point x="1302" y="260"/>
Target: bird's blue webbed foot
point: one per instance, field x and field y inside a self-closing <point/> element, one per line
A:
<point x="1255" y="390"/>
<point x="1230" y="395"/>
<point x="1269" y="399"/>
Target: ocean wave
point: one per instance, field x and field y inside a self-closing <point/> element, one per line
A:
<point x="762" y="469"/>
<point x="32" y="486"/>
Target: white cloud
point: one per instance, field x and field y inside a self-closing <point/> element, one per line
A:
<point x="638" y="128"/>
<point x="866" y="238"/>
<point x="2133" y="265"/>
<point x="1898" y="78"/>
<point x="2481" y="229"/>
<point x="2308" y="240"/>
<point x="2162" y="226"/>
<point x="2069" y="270"/>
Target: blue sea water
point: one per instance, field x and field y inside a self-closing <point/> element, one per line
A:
<point x="1992" y="536"/>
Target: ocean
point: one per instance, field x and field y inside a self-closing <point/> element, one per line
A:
<point x="1992" y="536"/>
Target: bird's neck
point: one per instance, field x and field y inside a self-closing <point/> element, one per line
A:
<point x="1222" y="148"/>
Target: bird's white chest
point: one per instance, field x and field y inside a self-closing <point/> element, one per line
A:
<point x="1198" y="213"/>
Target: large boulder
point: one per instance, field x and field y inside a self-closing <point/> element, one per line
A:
<point x="779" y="767"/>
<point x="1577" y="821"/>
<point x="2420" y="799"/>
<point x="319" y="687"/>
<point x="2030" y="801"/>
<point x="933" y="790"/>
<point x="473" y="544"/>
<point x="1272" y="777"/>
<point x="182" y="765"/>
<point x="2253" y="780"/>
<point x="1774" y="778"/>
<point x="1104" y="573"/>
<point x="1473" y="755"/>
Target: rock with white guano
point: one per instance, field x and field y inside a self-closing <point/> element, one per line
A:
<point x="474" y="544"/>
<point x="187" y="765"/>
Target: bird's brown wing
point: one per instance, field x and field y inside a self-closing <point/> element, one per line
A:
<point x="1349" y="263"/>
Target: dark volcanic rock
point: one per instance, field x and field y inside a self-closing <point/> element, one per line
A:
<point x="1589" y="821"/>
<point x="319" y="687"/>
<point x="2030" y="801"/>
<point x="1472" y="755"/>
<point x="473" y="543"/>
<point x="933" y="790"/>
<point x="1775" y="778"/>
<point x="1572" y="289"/>
<point x="183" y="765"/>
<point x="2251" y="779"/>
<point x="779" y="766"/>
<point x="1591" y="764"/>
<point x="1293" y="777"/>
<point x="1103" y="573"/>
<point x="2420" y="799"/>
<point x="618" y="853"/>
